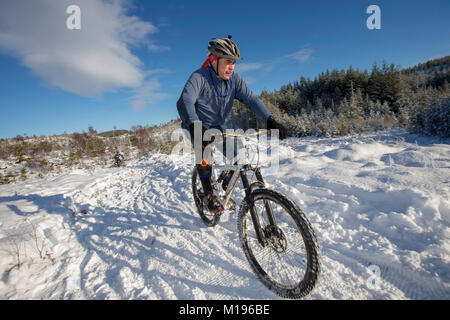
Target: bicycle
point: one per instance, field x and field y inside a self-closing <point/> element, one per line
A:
<point x="276" y="236"/>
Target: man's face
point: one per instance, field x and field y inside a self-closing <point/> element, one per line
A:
<point x="226" y="68"/>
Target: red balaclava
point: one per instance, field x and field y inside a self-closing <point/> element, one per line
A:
<point x="210" y="60"/>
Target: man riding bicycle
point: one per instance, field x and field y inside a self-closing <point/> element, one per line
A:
<point x="207" y="99"/>
<point x="118" y="158"/>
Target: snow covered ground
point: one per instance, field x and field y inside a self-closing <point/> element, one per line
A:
<point x="379" y="205"/>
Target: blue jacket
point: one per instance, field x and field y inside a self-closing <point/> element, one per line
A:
<point x="209" y="99"/>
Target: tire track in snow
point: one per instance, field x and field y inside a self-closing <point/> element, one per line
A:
<point x="147" y="227"/>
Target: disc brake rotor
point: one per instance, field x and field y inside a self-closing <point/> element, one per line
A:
<point x="276" y="238"/>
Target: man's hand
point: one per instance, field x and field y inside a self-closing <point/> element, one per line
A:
<point x="273" y="124"/>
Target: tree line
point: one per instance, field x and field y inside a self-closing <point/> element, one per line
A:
<point x="341" y="102"/>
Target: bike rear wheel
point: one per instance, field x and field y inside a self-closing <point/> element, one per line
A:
<point x="210" y="219"/>
<point x="288" y="263"/>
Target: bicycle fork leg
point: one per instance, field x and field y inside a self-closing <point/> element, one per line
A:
<point x="267" y="205"/>
<point x="253" y="212"/>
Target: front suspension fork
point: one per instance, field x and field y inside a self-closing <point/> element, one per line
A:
<point x="254" y="214"/>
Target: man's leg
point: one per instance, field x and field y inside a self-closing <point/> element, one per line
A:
<point x="204" y="172"/>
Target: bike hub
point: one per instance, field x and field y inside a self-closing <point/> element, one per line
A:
<point x="276" y="238"/>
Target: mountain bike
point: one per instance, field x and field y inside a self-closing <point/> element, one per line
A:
<point x="275" y="234"/>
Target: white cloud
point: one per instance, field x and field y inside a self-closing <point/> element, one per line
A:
<point x="156" y="48"/>
<point x="264" y="68"/>
<point x="245" y="67"/>
<point x="147" y="93"/>
<point x="301" y="55"/>
<point x="87" y="62"/>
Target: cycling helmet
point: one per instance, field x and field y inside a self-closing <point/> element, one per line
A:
<point x="224" y="48"/>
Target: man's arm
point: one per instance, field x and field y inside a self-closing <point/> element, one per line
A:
<point x="245" y="95"/>
<point x="186" y="103"/>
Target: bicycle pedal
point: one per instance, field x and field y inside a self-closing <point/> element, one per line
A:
<point x="218" y="211"/>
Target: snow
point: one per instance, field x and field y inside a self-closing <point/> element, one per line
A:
<point x="378" y="203"/>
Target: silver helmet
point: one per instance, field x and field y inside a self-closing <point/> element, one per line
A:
<point x="224" y="48"/>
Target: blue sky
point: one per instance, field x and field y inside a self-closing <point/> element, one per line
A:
<point x="130" y="60"/>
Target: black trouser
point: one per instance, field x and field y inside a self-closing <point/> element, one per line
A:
<point x="204" y="170"/>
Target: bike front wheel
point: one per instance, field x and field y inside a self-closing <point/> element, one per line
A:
<point x="287" y="261"/>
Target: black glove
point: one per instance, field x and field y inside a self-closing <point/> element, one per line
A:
<point x="273" y="124"/>
<point x="204" y="143"/>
